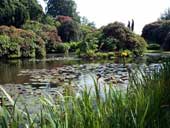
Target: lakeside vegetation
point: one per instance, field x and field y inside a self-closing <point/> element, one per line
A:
<point x="61" y="25"/>
<point x="28" y="32"/>
<point x="145" y="103"/>
<point x="58" y="28"/>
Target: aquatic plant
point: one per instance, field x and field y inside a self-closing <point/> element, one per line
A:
<point x="144" y="104"/>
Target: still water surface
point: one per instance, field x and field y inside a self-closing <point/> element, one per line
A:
<point x="10" y="70"/>
<point x="30" y="78"/>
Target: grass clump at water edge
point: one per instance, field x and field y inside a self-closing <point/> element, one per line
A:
<point x="144" y="105"/>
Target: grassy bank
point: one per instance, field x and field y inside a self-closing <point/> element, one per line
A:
<point x="146" y="104"/>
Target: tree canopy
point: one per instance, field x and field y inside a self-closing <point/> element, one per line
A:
<point x="34" y="9"/>
<point x="116" y="36"/>
<point x="16" y="12"/>
<point x="158" y="32"/>
<point x="69" y="31"/>
<point x="62" y="7"/>
<point x="166" y="15"/>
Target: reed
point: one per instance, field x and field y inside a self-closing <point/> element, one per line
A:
<point x="145" y="104"/>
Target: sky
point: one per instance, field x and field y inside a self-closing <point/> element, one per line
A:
<point x="103" y="12"/>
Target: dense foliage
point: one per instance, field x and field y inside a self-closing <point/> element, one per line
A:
<point x="17" y="43"/>
<point x="49" y="20"/>
<point x="86" y="30"/>
<point x="116" y="37"/>
<point x="153" y="46"/>
<point x="47" y="32"/>
<point x="63" y="24"/>
<point x="34" y="9"/>
<point x="16" y="12"/>
<point x="62" y="8"/>
<point x="166" y="44"/>
<point x="69" y="31"/>
<point x="157" y="32"/>
<point x="12" y="13"/>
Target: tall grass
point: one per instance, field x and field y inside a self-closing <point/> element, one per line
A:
<point x="146" y="104"/>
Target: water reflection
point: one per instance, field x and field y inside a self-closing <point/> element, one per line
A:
<point x="9" y="69"/>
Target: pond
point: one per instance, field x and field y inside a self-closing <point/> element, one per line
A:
<point x="31" y="78"/>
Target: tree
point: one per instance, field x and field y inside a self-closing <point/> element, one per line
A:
<point x="34" y="9"/>
<point x="166" y="15"/>
<point x="158" y="32"/>
<point x="62" y="7"/>
<point x="116" y="36"/>
<point x="16" y="12"/>
<point x="128" y="25"/>
<point x="132" y="26"/>
<point x="12" y="13"/>
<point x="69" y="31"/>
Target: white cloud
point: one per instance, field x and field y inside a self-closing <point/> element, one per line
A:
<point x="103" y="12"/>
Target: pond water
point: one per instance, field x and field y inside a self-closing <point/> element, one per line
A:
<point x="31" y="78"/>
<point x="19" y="71"/>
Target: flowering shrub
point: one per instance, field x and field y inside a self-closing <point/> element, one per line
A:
<point x="116" y="36"/>
<point x="125" y="53"/>
<point x="15" y="43"/>
<point x="63" y="19"/>
<point x="47" y="32"/>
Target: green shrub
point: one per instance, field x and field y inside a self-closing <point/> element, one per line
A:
<point x="47" y="32"/>
<point x="38" y="27"/>
<point x="102" y="55"/>
<point x="74" y="46"/>
<point x="4" y="45"/>
<point x="69" y="31"/>
<point x="86" y="30"/>
<point x="153" y="46"/>
<point x="136" y="44"/>
<point x="62" y="48"/>
<point x="116" y="36"/>
<point x="59" y="48"/>
<point x="111" y="54"/>
<point x="20" y="43"/>
<point x="108" y="44"/>
<point x="49" y="20"/>
<point x="158" y="32"/>
<point x="166" y="44"/>
<point x="90" y="54"/>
